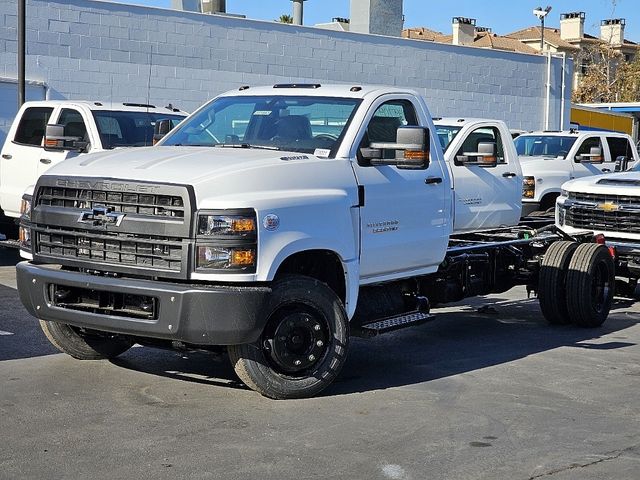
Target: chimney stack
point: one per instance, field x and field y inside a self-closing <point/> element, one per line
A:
<point x="298" y="13"/>
<point x="572" y="25"/>
<point x="612" y="31"/>
<point x="382" y="17"/>
<point x="464" y="30"/>
<point x="214" y="6"/>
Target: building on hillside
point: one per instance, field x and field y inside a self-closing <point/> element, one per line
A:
<point x="465" y="32"/>
<point x="572" y="40"/>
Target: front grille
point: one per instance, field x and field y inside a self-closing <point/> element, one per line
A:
<point x="590" y="211"/>
<point x="599" y="198"/>
<point x="135" y="250"/>
<point x="126" y="202"/>
<point x="113" y="225"/>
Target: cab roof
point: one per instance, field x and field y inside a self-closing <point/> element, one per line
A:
<point x="99" y="105"/>
<point x="573" y="133"/>
<point x="318" y="90"/>
<point x="461" y="121"/>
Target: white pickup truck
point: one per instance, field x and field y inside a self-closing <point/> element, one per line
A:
<point x="549" y="159"/>
<point x="276" y="222"/>
<point x="607" y="205"/>
<point x="93" y="126"/>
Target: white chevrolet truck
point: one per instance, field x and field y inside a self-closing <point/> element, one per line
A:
<point x="607" y="205"/>
<point x="550" y="159"/>
<point x="276" y="222"/>
<point x="84" y="127"/>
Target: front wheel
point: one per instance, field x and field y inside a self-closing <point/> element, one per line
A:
<point x="84" y="344"/>
<point x="303" y="346"/>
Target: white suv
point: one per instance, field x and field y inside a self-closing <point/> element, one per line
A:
<point x="549" y="159"/>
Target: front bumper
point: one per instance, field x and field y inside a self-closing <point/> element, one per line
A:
<point x="196" y="314"/>
<point x="529" y="207"/>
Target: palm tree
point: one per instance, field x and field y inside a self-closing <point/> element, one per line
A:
<point x="284" y="18"/>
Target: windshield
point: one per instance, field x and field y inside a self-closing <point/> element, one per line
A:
<point x="299" y="124"/>
<point x="446" y="134"/>
<point x="129" y="129"/>
<point x="544" y="145"/>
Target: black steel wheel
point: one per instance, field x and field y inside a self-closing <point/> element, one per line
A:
<point x="84" y="344"/>
<point x="552" y="282"/>
<point x="304" y="343"/>
<point x="590" y="285"/>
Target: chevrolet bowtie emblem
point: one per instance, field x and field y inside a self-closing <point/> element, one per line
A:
<point x="101" y="216"/>
<point x="608" y="207"/>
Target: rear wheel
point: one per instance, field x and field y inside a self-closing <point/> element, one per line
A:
<point x="590" y="285"/>
<point x="552" y="282"/>
<point x="303" y="346"/>
<point x="84" y="344"/>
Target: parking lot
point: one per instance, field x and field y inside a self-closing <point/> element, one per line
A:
<point x="468" y="396"/>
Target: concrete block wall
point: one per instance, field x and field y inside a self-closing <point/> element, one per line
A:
<point x="88" y="49"/>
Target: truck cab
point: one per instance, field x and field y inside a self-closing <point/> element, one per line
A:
<point x="549" y="159"/>
<point x="97" y="126"/>
<point x="487" y="185"/>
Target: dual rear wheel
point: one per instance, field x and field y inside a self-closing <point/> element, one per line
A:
<point x="576" y="284"/>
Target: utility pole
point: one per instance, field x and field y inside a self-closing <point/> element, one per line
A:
<point x="22" y="15"/>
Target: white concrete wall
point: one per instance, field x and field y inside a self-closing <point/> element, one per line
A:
<point x="86" y="49"/>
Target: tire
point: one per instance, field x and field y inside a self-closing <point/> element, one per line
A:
<point x="84" y="345"/>
<point x="552" y="282"/>
<point x="303" y="346"/>
<point x="590" y="285"/>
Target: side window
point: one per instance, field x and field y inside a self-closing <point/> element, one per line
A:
<point x="32" y="125"/>
<point x="73" y="124"/>
<point x="387" y="118"/>
<point x="588" y="144"/>
<point x="620" y="147"/>
<point x="476" y="137"/>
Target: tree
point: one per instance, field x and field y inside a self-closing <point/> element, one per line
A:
<point x="608" y="77"/>
<point x="284" y="18"/>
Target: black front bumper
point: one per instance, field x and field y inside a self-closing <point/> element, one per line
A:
<point x="196" y="314"/>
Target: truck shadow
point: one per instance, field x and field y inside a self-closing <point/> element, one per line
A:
<point x="458" y="341"/>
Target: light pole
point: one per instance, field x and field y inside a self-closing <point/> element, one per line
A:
<point x="541" y="13"/>
<point x="22" y="14"/>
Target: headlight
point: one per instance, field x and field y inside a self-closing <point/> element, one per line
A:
<point x="529" y="187"/>
<point x="226" y="258"/>
<point x="227" y="241"/>
<point x="213" y="225"/>
<point x="24" y="232"/>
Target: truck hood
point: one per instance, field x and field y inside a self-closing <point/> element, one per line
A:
<point x="232" y="176"/>
<point x="623" y="183"/>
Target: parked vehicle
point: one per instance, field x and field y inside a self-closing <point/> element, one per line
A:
<point x="549" y="159"/>
<point x="276" y="222"/>
<point x="83" y="127"/>
<point x="607" y="205"/>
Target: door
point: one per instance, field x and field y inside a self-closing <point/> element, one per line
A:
<point x="585" y="169"/>
<point x="485" y="197"/>
<point x="74" y="126"/>
<point x="404" y="220"/>
<point x="20" y="157"/>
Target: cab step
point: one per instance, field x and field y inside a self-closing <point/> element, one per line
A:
<point x="390" y="324"/>
<point x="9" y="243"/>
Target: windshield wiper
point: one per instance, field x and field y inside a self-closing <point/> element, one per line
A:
<point x="244" y="145"/>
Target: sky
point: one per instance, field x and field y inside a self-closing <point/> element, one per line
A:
<point x="503" y="16"/>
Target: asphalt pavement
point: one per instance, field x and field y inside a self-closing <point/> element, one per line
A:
<point x="496" y="395"/>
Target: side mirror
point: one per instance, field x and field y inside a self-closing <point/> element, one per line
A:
<point x="594" y="156"/>
<point x="160" y="129"/>
<point x="412" y="149"/>
<point x="55" y="139"/>
<point x="484" y="157"/>
<point x="622" y="163"/>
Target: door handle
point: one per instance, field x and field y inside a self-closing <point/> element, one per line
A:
<point x="432" y="180"/>
<point x="46" y="161"/>
<point x="605" y="170"/>
<point x="6" y="156"/>
<point x="509" y="174"/>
